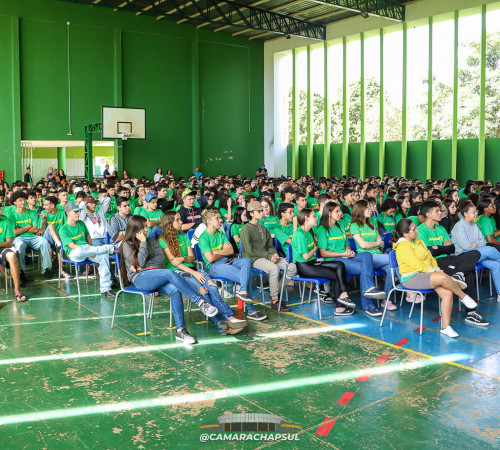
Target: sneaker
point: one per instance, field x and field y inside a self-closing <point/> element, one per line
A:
<point x="236" y="323"/>
<point x="498" y="298"/>
<point x="256" y="316"/>
<point x="244" y="298"/>
<point x="207" y="309"/>
<point x="390" y="306"/>
<point x="323" y="294"/>
<point x="468" y="302"/>
<point x="460" y="280"/>
<point x="231" y="331"/>
<point x="475" y="319"/>
<point x="374" y="294"/>
<point x="328" y="300"/>
<point x="346" y="312"/>
<point x="450" y="332"/>
<point x="47" y="274"/>
<point x="346" y="301"/>
<point x="109" y="294"/>
<point x="373" y="312"/>
<point x="413" y="297"/>
<point x="183" y="335"/>
<point x="275" y="306"/>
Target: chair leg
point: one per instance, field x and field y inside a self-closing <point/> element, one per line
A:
<point x="491" y="287"/>
<point x="310" y="291"/>
<point x="145" y="314"/>
<point x="114" y="309"/>
<point x="78" y="281"/>
<point x="319" y="302"/>
<point x="283" y="281"/>
<point x="262" y="289"/>
<point x="421" y="314"/>
<point x="477" y="285"/>
<point x="411" y="310"/>
<point x="385" y="307"/>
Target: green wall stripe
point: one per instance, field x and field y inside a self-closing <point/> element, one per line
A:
<point x="482" y="99"/>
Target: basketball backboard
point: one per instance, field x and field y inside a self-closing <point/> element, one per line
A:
<point x="123" y="123"/>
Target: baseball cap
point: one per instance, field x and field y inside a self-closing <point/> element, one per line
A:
<point x="150" y="196"/>
<point x="188" y="192"/>
<point x="254" y="206"/>
<point x="72" y="206"/>
<point x="89" y="199"/>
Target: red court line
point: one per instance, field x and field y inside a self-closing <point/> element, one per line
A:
<point x="437" y="319"/>
<point x="402" y="342"/>
<point x="346" y="398"/>
<point x="325" y="428"/>
<point x="417" y="330"/>
<point x="383" y="358"/>
<point x="363" y="377"/>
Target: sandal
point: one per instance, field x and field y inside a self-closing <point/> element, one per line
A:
<point x="21" y="298"/>
<point x="346" y="312"/>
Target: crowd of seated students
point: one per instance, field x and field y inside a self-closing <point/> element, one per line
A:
<point x="440" y="233"/>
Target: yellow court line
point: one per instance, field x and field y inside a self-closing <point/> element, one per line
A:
<point x="425" y="355"/>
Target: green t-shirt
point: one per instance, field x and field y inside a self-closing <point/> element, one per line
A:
<point x="436" y="236"/>
<point x="236" y="230"/>
<point x="415" y="220"/>
<point x="154" y="216"/>
<point x="368" y="234"/>
<point x="6" y="229"/>
<point x="58" y="219"/>
<point x="29" y="217"/>
<point x="270" y="222"/>
<point x="334" y="239"/>
<point x="223" y="212"/>
<point x="302" y="242"/>
<point x="94" y="194"/>
<point x="312" y="202"/>
<point x="184" y="243"/>
<point x="487" y="226"/>
<point x="210" y="242"/>
<point x="282" y="233"/>
<point x="398" y="216"/>
<point x="387" y="221"/>
<point x="345" y="223"/>
<point x="73" y="234"/>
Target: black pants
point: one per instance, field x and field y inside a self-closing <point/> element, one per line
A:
<point x="464" y="263"/>
<point x="331" y="270"/>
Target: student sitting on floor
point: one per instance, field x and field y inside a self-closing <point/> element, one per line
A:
<point x="78" y="246"/>
<point x="143" y="264"/>
<point x="179" y="256"/>
<point x="8" y="256"/>
<point x="419" y="270"/>
<point x="304" y="256"/>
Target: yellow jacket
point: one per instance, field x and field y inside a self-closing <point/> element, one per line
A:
<point x="414" y="257"/>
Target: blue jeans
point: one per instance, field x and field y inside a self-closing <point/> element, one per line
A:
<point x="362" y="265"/>
<point x="155" y="232"/>
<point x="98" y="242"/>
<point x="99" y="255"/>
<point x="239" y="271"/>
<point x="212" y="296"/>
<point x="47" y="236"/>
<point x="490" y="258"/>
<point x="168" y="282"/>
<point x="381" y="261"/>
<point x="37" y="243"/>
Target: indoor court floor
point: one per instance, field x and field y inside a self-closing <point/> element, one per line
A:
<point x="70" y="381"/>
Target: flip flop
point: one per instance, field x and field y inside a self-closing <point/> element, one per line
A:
<point x="21" y="298"/>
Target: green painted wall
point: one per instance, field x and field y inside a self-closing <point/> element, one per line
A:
<point x="393" y="158"/>
<point x="120" y="59"/>
<point x="372" y="158"/>
<point x="416" y="160"/>
<point x="354" y="159"/>
<point x="336" y="159"/>
<point x="441" y="159"/>
<point x="303" y="159"/>
<point x="492" y="160"/>
<point x="467" y="160"/>
<point x="318" y="160"/>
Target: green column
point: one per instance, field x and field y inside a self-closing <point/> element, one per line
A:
<point x="381" y="147"/>
<point x="16" y="105"/>
<point x="310" y="133"/>
<point x="482" y="100"/>
<point x="327" y="108"/>
<point x="118" y="96"/>
<point x="295" y="117"/>
<point x="61" y="158"/>
<point x="454" y="141"/>
<point x="404" y="106"/>
<point x="429" y="107"/>
<point x="362" y="150"/>
<point x="345" y="110"/>
<point x="195" y="104"/>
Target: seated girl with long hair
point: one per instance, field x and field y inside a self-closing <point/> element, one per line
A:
<point x="179" y="256"/>
<point x="419" y="270"/>
<point x="304" y="248"/>
<point x="143" y="264"/>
